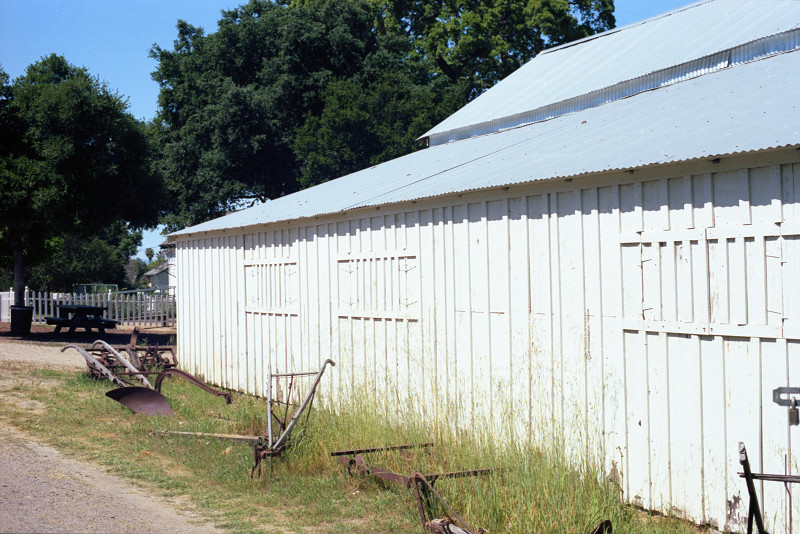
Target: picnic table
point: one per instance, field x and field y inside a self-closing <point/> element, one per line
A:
<point x="81" y="316"/>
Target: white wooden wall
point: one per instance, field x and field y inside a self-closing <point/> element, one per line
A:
<point x="644" y="317"/>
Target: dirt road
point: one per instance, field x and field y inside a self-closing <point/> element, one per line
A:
<point x="41" y="490"/>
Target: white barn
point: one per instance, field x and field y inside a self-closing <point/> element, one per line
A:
<point x="607" y="242"/>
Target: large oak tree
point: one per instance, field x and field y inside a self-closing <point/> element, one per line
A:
<point x="285" y="95"/>
<point x="72" y="161"/>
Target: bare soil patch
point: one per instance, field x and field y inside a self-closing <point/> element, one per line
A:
<point x="41" y="490"/>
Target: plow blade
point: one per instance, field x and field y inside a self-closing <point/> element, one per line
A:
<point x="141" y="400"/>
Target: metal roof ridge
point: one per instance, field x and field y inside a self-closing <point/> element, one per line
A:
<point x="627" y="26"/>
<point x="754" y="50"/>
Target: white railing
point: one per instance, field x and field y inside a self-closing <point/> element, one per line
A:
<point x="129" y="308"/>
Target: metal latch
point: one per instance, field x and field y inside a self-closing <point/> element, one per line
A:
<point x="781" y="397"/>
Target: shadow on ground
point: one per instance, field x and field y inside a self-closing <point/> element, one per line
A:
<point x="118" y="336"/>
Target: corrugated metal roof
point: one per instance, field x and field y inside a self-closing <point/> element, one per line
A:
<point x="751" y="107"/>
<point x="590" y="72"/>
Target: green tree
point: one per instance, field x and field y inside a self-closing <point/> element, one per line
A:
<point x="484" y="41"/>
<point x="375" y="115"/>
<point x="234" y="104"/>
<point x="76" y="162"/>
<point x="286" y="95"/>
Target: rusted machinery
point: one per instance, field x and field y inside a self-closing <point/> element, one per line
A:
<point x="276" y="439"/>
<point x="421" y="485"/>
<point x="282" y="416"/>
<point x="131" y="363"/>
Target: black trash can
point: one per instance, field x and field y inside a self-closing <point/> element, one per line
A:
<point x="21" y="318"/>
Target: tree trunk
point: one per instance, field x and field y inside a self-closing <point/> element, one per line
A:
<point x="19" y="270"/>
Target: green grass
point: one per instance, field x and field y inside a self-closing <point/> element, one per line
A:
<point x="534" y="490"/>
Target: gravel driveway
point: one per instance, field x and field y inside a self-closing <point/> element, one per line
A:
<point x="43" y="491"/>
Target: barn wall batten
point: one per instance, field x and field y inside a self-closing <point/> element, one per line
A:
<point x="648" y="314"/>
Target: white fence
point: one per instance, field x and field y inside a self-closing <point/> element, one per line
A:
<point x="129" y="308"/>
<point x="6" y="298"/>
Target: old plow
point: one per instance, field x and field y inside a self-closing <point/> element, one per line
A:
<point x="282" y="415"/>
<point x="422" y="485"/>
<point x="131" y="365"/>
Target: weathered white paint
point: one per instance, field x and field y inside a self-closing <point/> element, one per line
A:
<point x="651" y="313"/>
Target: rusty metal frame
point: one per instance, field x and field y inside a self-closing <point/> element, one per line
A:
<point x="422" y="485"/>
<point x="192" y="380"/>
<point x="754" y="511"/>
<point x="272" y="446"/>
<point x="104" y="360"/>
<point x="423" y="488"/>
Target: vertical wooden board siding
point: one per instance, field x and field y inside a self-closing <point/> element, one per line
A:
<point x="573" y="319"/>
<point x="790" y="191"/>
<point x="543" y="344"/>
<point x="630" y="205"/>
<point x="631" y="256"/>
<point x="703" y="200"/>
<point x="197" y="310"/>
<point x="478" y="289"/>
<point x="731" y="198"/>
<point x="684" y="282"/>
<point x="774" y="281"/>
<point x="213" y="310"/>
<point x="658" y="420"/>
<point x="591" y="412"/>
<point x="651" y="281"/>
<point x="463" y="311"/>
<point x="718" y="280"/>
<point x="207" y="311"/>
<point x="451" y="370"/>
<point x="716" y="449"/>
<point x="701" y="293"/>
<point x="518" y="320"/>
<point x="498" y="242"/>
<point x="743" y="397"/>
<point x="756" y="276"/>
<point x="654" y="202"/>
<point x="613" y="378"/>
<point x="774" y="431"/>
<point x="765" y="200"/>
<point x="793" y="440"/>
<point x="737" y="262"/>
<point x="791" y="287"/>
<point x="685" y="424"/>
<point x="220" y="282"/>
<point x="435" y="318"/>
<point x="637" y="479"/>
<point x="669" y="283"/>
<point x="240" y="376"/>
<point x="429" y="280"/>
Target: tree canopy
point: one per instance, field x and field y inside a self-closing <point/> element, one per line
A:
<point x="281" y="97"/>
<point x="73" y="161"/>
<point x="290" y="94"/>
<point x="483" y="41"/>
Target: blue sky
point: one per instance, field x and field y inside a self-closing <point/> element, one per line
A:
<point x="111" y="38"/>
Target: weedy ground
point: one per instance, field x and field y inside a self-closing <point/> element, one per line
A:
<point x="533" y="490"/>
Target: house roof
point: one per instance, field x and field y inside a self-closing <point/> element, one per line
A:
<point x="683" y="43"/>
<point x="748" y="106"/>
<point x="157" y="270"/>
